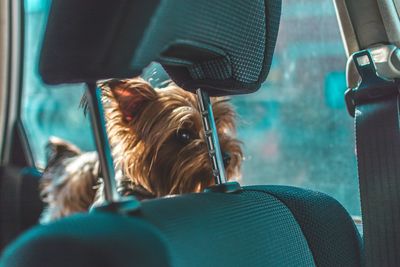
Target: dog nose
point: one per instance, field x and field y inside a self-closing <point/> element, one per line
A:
<point x="226" y="156"/>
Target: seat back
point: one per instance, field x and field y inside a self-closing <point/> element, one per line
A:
<point x="259" y="226"/>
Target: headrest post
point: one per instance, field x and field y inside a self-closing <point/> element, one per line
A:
<point x="113" y="201"/>
<point x="101" y="139"/>
<point x="211" y="136"/>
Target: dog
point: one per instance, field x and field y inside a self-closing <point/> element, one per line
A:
<point x="158" y="145"/>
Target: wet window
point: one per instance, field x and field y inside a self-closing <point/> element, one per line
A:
<point x="296" y="129"/>
<point x="48" y="110"/>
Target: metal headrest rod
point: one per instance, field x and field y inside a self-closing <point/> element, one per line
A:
<point x="211" y="136"/>
<point x="114" y="202"/>
<point x="214" y="149"/>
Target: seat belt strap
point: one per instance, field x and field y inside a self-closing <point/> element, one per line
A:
<point x="375" y="105"/>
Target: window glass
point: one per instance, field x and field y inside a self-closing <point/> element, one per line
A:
<point x="295" y="129"/>
<point x="48" y="110"/>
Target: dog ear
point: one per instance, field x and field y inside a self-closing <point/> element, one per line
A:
<point x="131" y="95"/>
<point x="57" y="149"/>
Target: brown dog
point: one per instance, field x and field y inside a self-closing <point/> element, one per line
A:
<point x="158" y="145"/>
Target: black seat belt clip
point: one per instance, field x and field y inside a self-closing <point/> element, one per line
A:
<point x="371" y="86"/>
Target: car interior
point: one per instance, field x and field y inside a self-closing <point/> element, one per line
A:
<point x="227" y="48"/>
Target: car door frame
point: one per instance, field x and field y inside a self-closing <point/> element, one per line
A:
<point x="14" y="148"/>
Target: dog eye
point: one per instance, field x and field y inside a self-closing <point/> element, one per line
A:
<point x="185" y="136"/>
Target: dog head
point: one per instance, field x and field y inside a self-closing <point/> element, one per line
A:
<point x="158" y="139"/>
<point x="67" y="184"/>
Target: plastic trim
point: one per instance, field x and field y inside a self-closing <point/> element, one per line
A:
<point x="14" y="78"/>
<point x="346" y="27"/>
<point x="4" y="60"/>
<point x="391" y="20"/>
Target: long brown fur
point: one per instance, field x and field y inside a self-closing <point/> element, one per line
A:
<point x="145" y="127"/>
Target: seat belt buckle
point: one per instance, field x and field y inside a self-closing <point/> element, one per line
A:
<point x="377" y="77"/>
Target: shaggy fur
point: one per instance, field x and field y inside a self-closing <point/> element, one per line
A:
<point x="68" y="183"/>
<point x="158" y="145"/>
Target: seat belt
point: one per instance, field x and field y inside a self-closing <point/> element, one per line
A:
<point x="374" y="104"/>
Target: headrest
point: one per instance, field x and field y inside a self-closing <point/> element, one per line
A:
<point x="222" y="46"/>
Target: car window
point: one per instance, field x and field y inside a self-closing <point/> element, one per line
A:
<point x="48" y="110"/>
<point x="295" y="129"/>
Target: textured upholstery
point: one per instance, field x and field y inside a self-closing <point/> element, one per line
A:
<point x="245" y="31"/>
<point x="330" y="232"/>
<point x="101" y="240"/>
<point x="245" y="229"/>
<point x="250" y="228"/>
<point x="222" y="46"/>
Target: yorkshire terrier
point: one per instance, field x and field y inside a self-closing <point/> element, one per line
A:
<point x="158" y="145"/>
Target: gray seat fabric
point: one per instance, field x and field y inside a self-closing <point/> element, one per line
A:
<point x="251" y="228"/>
